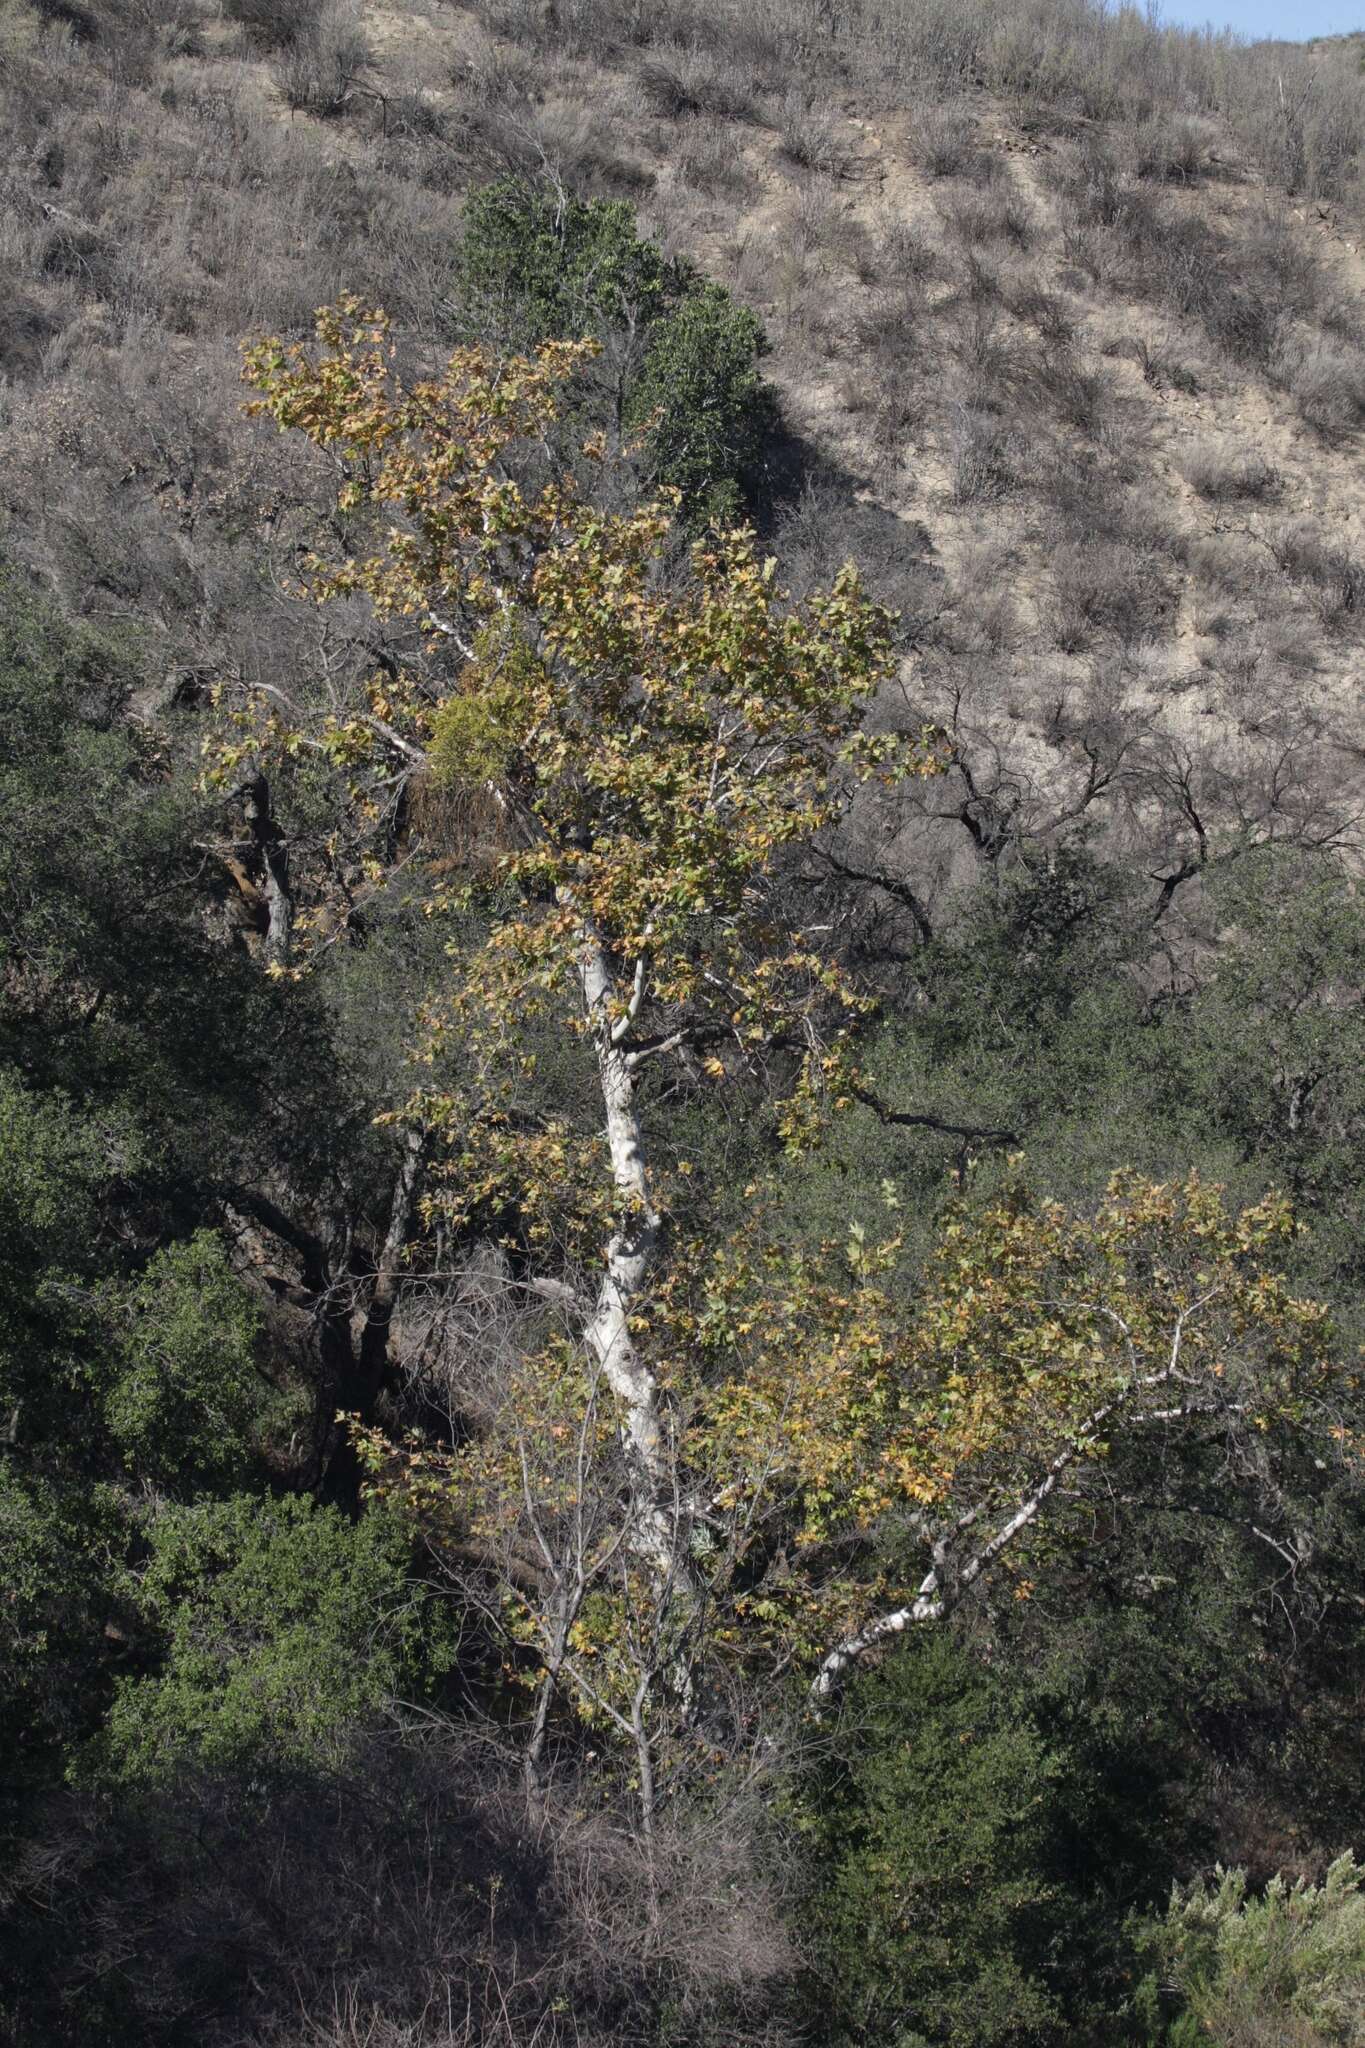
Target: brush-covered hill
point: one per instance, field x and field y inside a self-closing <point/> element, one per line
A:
<point x="1063" y="310"/>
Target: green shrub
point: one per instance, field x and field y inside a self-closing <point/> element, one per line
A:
<point x="537" y="266"/>
<point x="681" y="356"/>
<point x="183" y="1404"/>
<point x="938" y="1905"/>
<point x="283" y="1628"/>
<point x="713" y="410"/>
<point x="1286" y="1970"/>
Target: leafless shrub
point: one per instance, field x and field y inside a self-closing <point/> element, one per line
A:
<point x="72" y="249"/>
<point x="1092" y="181"/>
<point x="1084" y="497"/>
<point x="1222" y="473"/>
<point x="1188" y="266"/>
<point x="1107" y="588"/>
<point x="1302" y="120"/>
<point x="826" y="524"/>
<point x="709" y="158"/>
<point x="580" y="146"/>
<point x="946" y="145"/>
<point x="980" y="598"/>
<point x="408" y="1899"/>
<point x="485" y="73"/>
<point x="992" y="216"/>
<point x="1042" y="310"/>
<point x="26" y="328"/>
<point x="411" y="115"/>
<point x="885" y="328"/>
<point x="1087" y="251"/>
<point x="320" y="71"/>
<point x="1335" y="577"/>
<point x="1223" y="563"/>
<point x="679" y="83"/>
<point x="600" y="30"/>
<point x="1164" y="371"/>
<point x="275" y="24"/>
<point x="807" y="135"/>
<point x="897" y="414"/>
<point x="1055" y="378"/>
<point x="1293" y="645"/>
<point x="980" y="288"/>
<point x="1326" y="379"/>
<point x="1173" y="150"/>
<point x="904" y="251"/>
<point x="987" y="456"/>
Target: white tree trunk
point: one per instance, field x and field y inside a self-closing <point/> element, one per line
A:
<point x="631" y="1250"/>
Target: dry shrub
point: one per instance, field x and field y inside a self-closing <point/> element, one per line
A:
<point x="1165" y="371"/>
<point x="1092" y="181"/>
<point x="907" y="252"/>
<point x="578" y="144"/>
<point x="988" y="458"/>
<point x="1299" y="117"/>
<point x="321" y="71"/>
<point x="1042" y="310"/>
<point x="73" y="250"/>
<point x="996" y="215"/>
<point x="807" y="135"/>
<point x="680" y="83"/>
<point x="1055" y="379"/>
<point x="408" y="1897"/>
<point x="945" y="144"/>
<point x="484" y="73"/>
<point x="981" y="600"/>
<point x="1221" y="563"/>
<point x="825" y="525"/>
<point x="1173" y="150"/>
<point x="275" y="24"/>
<point x="1087" y="251"/>
<point x="708" y="157"/>
<point x="600" y="30"/>
<point x="1223" y="473"/>
<point x="411" y="115"/>
<point x="1326" y="380"/>
<point x="885" y="330"/>
<point x="980" y="345"/>
<point x="26" y="328"/>
<point x="1107" y="588"/>
<point x="1293" y="645"/>
<point x="1335" y="578"/>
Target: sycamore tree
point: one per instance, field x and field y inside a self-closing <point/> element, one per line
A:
<point x="717" y="1461"/>
<point x="634" y="749"/>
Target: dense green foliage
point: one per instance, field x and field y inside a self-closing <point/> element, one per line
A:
<point x="680" y="368"/>
<point x="946" y="1912"/>
<point x="281" y="1627"/>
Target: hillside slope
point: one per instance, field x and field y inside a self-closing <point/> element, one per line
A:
<point x="1069" y="368"/>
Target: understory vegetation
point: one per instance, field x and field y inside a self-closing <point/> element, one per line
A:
<point x="682" y="1028"/>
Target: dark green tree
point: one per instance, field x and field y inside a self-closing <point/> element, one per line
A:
<point x="680" y="360"/>
<point x="940" y="1904"/>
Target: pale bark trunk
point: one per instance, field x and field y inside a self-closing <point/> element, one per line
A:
<point x="632" y="1247"/>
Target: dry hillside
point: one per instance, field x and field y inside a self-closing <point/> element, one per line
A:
<point x="1063" y="315"/>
